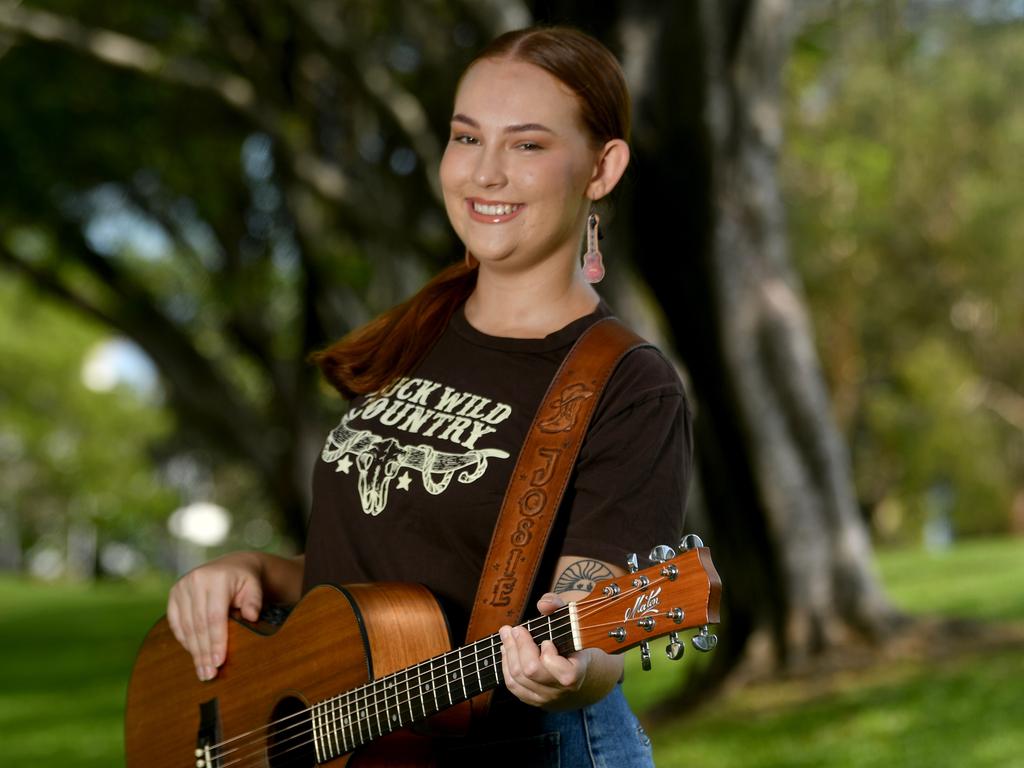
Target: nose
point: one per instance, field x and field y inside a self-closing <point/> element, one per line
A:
<point x="489" y="171"/>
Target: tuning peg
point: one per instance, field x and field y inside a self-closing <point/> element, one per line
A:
<point x="704" y="641"/>
<point x="661" y="553"/>
<point x="632" y="563"/>
<point x="645" y="656"/>
<point x="689" y="541"/>
<point x="674" y="650"/>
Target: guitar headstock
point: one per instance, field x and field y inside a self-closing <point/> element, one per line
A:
<point x="680" y="591"/>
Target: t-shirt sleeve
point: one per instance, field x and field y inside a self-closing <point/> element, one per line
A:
<point x="629" y="487"/>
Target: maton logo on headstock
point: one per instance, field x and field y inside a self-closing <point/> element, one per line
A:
<point x="646" y="603"/>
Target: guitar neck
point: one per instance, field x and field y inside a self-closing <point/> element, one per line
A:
<point x="357" y="717"/>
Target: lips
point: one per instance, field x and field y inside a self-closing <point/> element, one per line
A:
<point x="492" y="218"/>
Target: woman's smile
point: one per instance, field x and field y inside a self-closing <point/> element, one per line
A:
<point x="490" y="212"/>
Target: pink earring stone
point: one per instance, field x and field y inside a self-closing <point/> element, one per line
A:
<point x="593" y="268"/>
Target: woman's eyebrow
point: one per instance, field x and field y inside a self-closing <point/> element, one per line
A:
<point x="460" y="118"/>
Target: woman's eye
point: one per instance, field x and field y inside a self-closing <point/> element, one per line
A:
<point x="530" y="146"/>
<point x="459" y="138"/>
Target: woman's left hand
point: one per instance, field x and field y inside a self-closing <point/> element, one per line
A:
<point x="538" y="675"/>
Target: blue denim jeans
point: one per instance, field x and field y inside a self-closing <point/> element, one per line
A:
<point x="604" y="735"/>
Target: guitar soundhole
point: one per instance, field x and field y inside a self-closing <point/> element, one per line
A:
<point x="290" y="744"/>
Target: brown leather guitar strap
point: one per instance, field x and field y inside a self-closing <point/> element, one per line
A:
<point x="539" y="480"/>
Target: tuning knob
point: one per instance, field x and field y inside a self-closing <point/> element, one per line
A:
<point x="674" y="650"/>
<point x="689" y="541"/>
<point x="645" y="656"/>
<point x="704" y="641"/>
<point x="661" y="553"/>
<point x="632" y="563"/>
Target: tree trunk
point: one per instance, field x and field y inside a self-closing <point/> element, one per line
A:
<point x="709" y="236"/>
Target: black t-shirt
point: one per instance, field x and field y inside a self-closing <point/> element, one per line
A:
<point x="409" y="484"/>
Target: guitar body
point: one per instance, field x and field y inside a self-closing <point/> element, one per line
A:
<point x="351" y="670"/>
<point x="335" y="639"/>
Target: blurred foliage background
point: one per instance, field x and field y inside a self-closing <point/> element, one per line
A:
<point x="903" y="151"/>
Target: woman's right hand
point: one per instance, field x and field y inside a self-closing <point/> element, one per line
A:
<point x="199" y="602"/>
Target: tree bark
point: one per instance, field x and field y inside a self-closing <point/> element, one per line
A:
<point x="709" y="234"/>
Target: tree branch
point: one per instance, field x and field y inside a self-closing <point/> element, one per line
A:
<point x="120" y="50"/>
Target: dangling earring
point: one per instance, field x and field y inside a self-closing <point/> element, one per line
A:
<point x="471" y="262"/>
<point x="593" y="268"/>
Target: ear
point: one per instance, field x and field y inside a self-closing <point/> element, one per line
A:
<point x="609" y="166"/>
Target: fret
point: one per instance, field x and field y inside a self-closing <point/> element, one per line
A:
<point x="496" y="658"/>
<point x="339" y="724"/>
<point x="359" y="717"/>
<point x="376" y="709"/>
<point x="408" y="696"/>
<point x="348" y="721"/>
<point x="392" y="710"/>
<point x="324" y="730"/>
<point x="447" y="680"/>
<point x="476" y="666"/>
<point x="340" y="746"/>
<point x="329" y="749"/>
<point x="484" y="667"/>
<point x="551" y="629"/>
<point x="316" y="735"/>
<point x="462" y="674"/>
<point x="423" y="685"/>
<point x="433" y="687"/>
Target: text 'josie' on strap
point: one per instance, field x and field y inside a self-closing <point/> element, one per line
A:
<point x="540" y="476"/>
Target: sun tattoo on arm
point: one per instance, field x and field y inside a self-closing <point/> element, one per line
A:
<point x="582" y="575"/>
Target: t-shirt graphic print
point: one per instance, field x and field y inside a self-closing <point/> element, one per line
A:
<point x="415" y="407"/>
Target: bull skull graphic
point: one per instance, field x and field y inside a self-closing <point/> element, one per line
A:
<point x="380" y="459"/>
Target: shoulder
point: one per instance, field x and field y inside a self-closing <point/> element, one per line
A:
<point x="644" y="376"/>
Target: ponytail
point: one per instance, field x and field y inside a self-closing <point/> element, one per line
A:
<point x="374" y="355"/>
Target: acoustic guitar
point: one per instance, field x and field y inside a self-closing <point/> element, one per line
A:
<point x="344" y="674"/>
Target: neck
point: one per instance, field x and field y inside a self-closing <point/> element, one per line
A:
<point x="342" y="723"/>
<point x="532" y="303"/>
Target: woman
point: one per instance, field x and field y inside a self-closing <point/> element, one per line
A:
<point x="539" y="133"/>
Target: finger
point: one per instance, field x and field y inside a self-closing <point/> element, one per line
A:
<point x="567" y="672"/>
<point x="173" y="620"/>
<point x="550" y="602"/>
<point x="209" y="617"/>
<point x="249" y="600"/>
<point x="532" y="671"/>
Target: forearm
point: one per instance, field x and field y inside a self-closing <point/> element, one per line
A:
<point x="280" y="577"/>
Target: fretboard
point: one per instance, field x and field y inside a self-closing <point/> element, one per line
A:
<point x="357" y="717"/>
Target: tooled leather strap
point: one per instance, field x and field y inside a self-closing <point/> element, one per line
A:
<point x="540" y="477"/>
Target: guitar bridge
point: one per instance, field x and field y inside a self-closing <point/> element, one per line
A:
<point x="208" y="736"/>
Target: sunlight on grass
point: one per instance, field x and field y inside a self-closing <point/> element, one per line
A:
<point x="903" y="715"/>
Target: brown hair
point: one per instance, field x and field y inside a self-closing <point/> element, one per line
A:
<point x="374" y="355"/>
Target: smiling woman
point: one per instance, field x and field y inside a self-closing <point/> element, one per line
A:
<point x="444" y="389"/>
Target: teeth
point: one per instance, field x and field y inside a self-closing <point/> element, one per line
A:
<point x="495" y="210"/>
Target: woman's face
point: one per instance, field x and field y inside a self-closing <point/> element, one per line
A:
<point x="516" y="140"/>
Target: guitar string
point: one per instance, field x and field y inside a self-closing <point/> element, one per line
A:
<point x="373" y="689"/>
<point x="329" y="751"/>
<point x="588" y="609"/>
<point x="274" y="754"/>
<point x="422" y="669"/>
<point x="367" y="718"/>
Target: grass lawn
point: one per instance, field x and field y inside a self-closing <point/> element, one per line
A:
<point x="66" y="651"/>
<point x="967" y="712"/>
